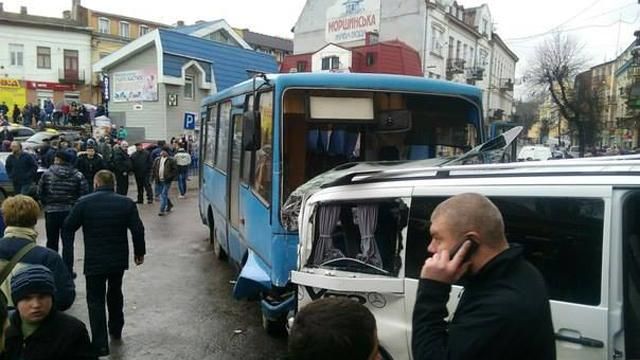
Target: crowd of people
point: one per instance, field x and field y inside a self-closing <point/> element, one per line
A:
<point x="34" y="115"/>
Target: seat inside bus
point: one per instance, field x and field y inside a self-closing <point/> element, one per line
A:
<point x="438" y="126"/>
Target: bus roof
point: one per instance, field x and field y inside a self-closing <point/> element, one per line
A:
<point x="381" y="82"/>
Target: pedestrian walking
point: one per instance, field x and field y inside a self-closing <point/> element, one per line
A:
<point x="164" y="171"/>
<point x="16" y="114"/>
<point x="154" y="155"/>
<point x="336" y="329"/>
<point x="89" y="164"/>
<point x="104" y="149"/>
<point x="141" y="161"/>
<point x="504" y="312"/>
<point x="59" y="188"/>
<point x="20" y="214"/>
<point x="121" y="166"/>
<point x="122" y="133"/>
<point x="21" y="168"/>
<point x="183" y="161"/>
<point x="37" y="330"/>
<point x="105" y="218"/>
<point x="4" y="109"/>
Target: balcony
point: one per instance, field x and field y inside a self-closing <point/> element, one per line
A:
<point x="455" y="66"/>
<point x="506" y="85"/>
<point x="67" y="76"/>
<point x="475" y="73"/>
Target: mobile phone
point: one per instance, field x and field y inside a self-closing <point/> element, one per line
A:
<point x="472" y="250"/>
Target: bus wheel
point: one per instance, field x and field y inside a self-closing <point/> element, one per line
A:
<point x="275" y="328"/>
<point x="217" y="249"/>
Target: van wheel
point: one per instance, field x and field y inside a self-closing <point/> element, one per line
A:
<point x="275" y="328"/>
<point x="217" y="249"/>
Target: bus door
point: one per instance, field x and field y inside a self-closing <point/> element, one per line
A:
<point x="237" y="247"/>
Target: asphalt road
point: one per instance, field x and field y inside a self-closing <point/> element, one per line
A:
<point x="178" y="304"/>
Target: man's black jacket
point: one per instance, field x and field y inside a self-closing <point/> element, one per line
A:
<point x="105" y="218"/>
<point x="504" y="313"/>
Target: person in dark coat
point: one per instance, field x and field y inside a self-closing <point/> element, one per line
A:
<point x="121" y="166"/>
<point x="20" y="214"/>
<point x="15" y="116"/>
<point x="5" y="134"/>
<point x="4" y="109"/>
<point x="59" y="188"/>
<point x="37" y="331"/>
<point x="105" y="218"/>
<point x="89" y="164"/>
<point x="21" y="168"/>
<point x="504" y="312"/>
<point x="165" y="171"/>
<point x="141" y="161"/>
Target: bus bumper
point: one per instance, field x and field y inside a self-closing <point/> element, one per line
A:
<point x="275" y="311"/>
<point x="253" y="279"/>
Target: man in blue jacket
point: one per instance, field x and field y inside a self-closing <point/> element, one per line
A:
<point x="21" y="168"/>
<point x="59" y="188"/>
<point x="105" y="218"/>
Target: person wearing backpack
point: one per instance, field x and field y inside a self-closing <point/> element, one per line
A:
<point x="20" y="215"/>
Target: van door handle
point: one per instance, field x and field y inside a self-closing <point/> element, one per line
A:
<point x="576" y="337"/>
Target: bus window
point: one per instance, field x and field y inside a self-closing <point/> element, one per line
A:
<point x="631" y="275"/>
<point x="223" y="136"/>
<point x="264" y="156"/>
<point x="209" y="149"/>
<point x="437" y="126"/>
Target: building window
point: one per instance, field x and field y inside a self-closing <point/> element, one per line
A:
<point x="451" y="43"/>
<point x="301" y="66"/>
<point x="44" y="57"/>
<point x="330" y="63"/>
<point x="458" y="46"/>
<point x="485" y="27"/>
<point x="483" y="57"/>
<point x="16" y="52"/>
<point x="103" y="55"/>
<point x="437" y="34"/>
<point x="371" y="59"/>
<point x="124" y="29"/>
<point x="471" y="56"/>
<point x="104" y="26"/>
<point x="188" y="87"/>
<point x="143" y="30"/>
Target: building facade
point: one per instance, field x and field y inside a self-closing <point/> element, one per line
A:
<point x="453" y="43"/>
<point x="43" y="58"/>
<point x="157" y="80"/>
<point x="276" y="46"/>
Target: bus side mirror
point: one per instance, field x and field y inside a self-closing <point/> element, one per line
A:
<point x="251" y="130"/>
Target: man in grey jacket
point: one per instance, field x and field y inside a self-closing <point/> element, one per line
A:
<point x="59" y="188"/>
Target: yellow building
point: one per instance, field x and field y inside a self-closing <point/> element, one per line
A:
<point x="110" y="32"/>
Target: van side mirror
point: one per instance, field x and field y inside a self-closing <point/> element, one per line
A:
<point x="251" y="130"/>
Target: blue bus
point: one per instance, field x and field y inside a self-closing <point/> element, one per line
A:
<point x="263" y="138"/>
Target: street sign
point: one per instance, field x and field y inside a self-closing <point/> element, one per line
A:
<point x="190" y="120"/>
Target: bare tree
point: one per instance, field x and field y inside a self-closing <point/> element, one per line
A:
<point x="557" y="62"/>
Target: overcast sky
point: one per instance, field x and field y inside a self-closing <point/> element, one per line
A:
<point x="605" y="27"/>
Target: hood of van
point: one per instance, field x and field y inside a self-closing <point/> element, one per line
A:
<point x="291" y="208"/>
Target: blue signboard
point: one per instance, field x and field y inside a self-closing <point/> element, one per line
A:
<point x="190" y="120"/>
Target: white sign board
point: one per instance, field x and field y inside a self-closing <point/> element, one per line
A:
<point x="351" y="20"/>
<point x="134" y="86"/>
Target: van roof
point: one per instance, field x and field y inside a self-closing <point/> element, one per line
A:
<point x="628" y="165"/>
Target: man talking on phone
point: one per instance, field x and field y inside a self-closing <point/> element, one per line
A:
<point x="504" y="311"/>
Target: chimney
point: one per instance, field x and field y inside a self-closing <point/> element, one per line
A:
<point x="66" y="15"/>
<point x="75" y="3"/>
<point x="1" y="7"/>
<point x="180" y="23"/>
<point x="23" y="10"/>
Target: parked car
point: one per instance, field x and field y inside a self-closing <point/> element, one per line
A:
<point x="535" y="153"/>
<point x="20" y="133"/>
<point x="574" y="151"/>
<point x="37" y="140"/>
<point x="575" y="219"/>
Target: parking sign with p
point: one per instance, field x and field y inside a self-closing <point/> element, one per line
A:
<point x="190" y="120"/>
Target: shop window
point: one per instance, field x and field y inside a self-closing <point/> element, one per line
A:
<point x="188" y="87"/>
<point x="222" y="150"/>
<point x="104" y="26"/>
<point x="211" y="137"/>
<point x="44" y="57"/>
<point x="562" y="237"/>
<point x="16" y="53"/>
<point x="124" y="29"/>
<point x="263" y="157"/>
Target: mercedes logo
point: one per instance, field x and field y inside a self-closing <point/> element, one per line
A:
<point x="377" y="300"/>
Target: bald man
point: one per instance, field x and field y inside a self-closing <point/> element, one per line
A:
<point x="504" y="311"/>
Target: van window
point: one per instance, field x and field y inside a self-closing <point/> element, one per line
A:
<point x="562" y="237"/>
<point x="359" y="237"/>
<point x="223" y="136"/>
<point x="631" y="276"/>
<point x="211" y="136"/>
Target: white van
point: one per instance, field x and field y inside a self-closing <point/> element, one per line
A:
<point x="365" y="237"/>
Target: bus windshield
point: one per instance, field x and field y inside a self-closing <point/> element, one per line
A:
<point x="326" y="128"/>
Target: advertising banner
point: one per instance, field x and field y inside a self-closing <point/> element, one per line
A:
<point x="134" y="86"/>
<point x="351" y="20"/>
